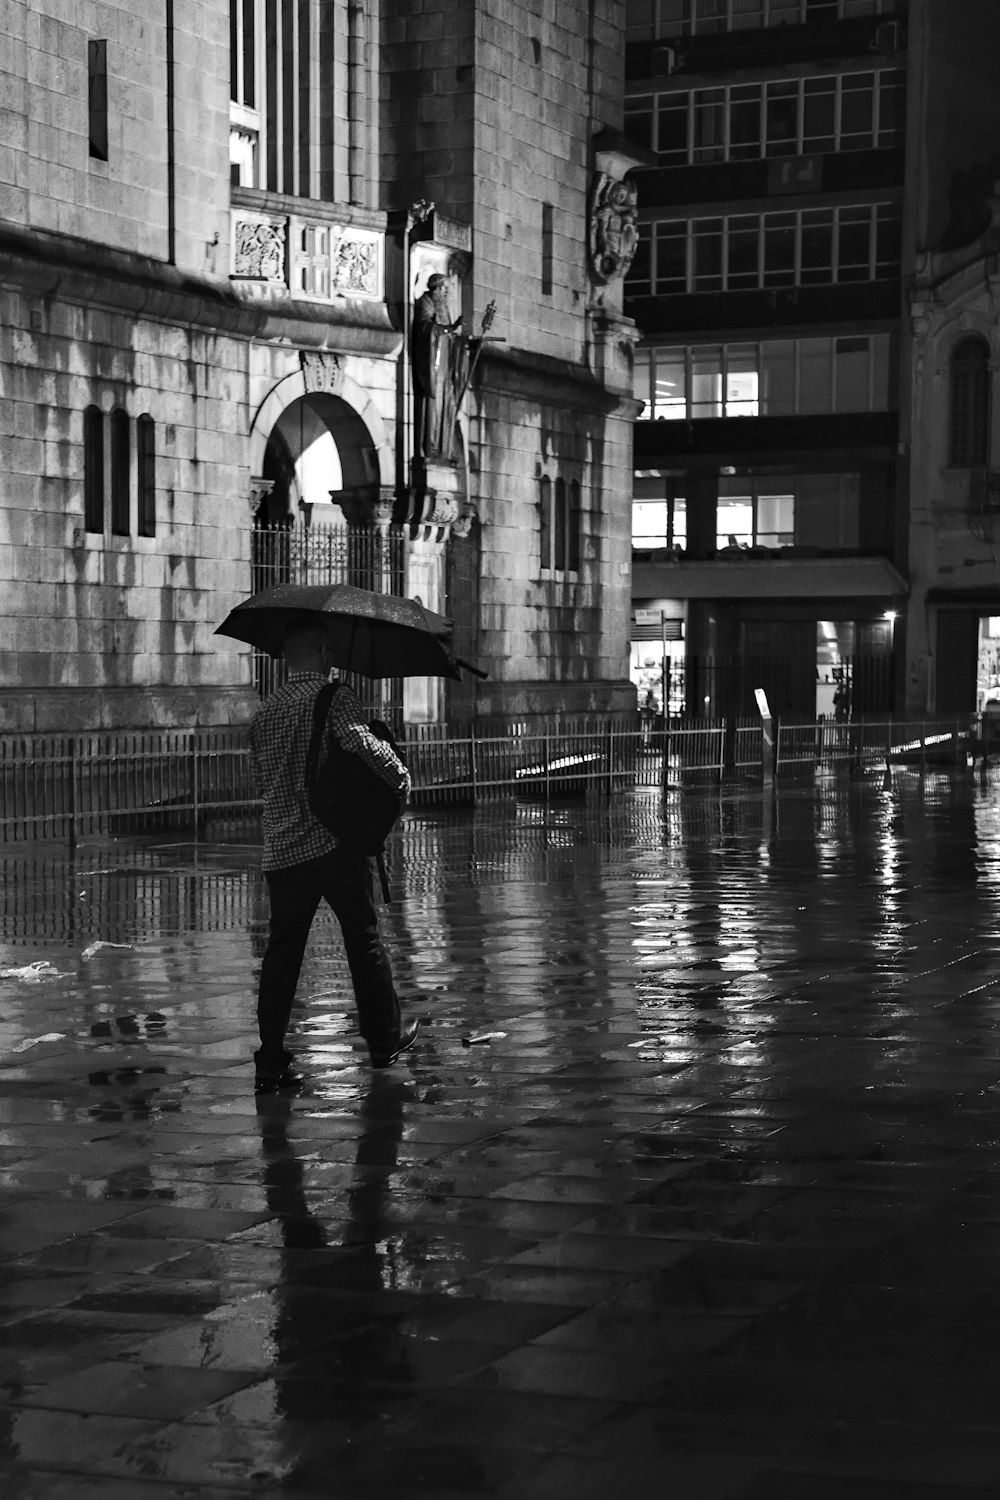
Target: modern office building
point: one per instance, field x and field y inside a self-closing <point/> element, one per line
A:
<point x="305" y="289"/>
<point x="810" y="154"/>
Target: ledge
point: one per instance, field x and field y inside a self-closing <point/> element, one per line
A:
<point x="769" y="578"/>
<point x="93" y="275"/>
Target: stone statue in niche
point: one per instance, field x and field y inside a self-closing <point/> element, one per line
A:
<point x="439" y="353"/>
<point x="614" y="230"/>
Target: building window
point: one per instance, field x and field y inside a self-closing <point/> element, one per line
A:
<point x="300" y="85"/>
<point x="547" y="249"/>
<point x="121" y="463"/>
<point x="647" y="20"/>
<point x="969" y="402"/>
<point x="146" y="475"/>
<point x="97" y="99"/>
<point x="818" y="511"/>
<point x="775" y="378"/>
<point x="753" y="252"/>
<point x="782" y="117"/>
<point x="560" y="525"/>
<point x="93" y="470"/>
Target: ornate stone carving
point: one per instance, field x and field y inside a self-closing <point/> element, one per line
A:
<point x="463" y="523"/>
<point x="259" y="250"/>
<point x="320" y="371"/>
<point x="259" y="491"/>
<point x="354" y="264"/>
<point x="613" y="231"/>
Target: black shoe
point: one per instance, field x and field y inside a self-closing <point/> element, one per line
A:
<point x="270" y="1080"/>
<point x="406" y="1040"/>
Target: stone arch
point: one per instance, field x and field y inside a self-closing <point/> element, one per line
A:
<point x="351" y="409"/>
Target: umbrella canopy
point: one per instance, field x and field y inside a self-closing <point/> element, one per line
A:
<point x="378" y="635"/>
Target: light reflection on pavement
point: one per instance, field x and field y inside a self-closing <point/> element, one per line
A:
<point x="712" y="1210"/>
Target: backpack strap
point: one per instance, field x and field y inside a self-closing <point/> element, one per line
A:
<point x="321" y="709"/>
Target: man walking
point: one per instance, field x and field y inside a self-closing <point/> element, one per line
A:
<point x="304" y="864"/>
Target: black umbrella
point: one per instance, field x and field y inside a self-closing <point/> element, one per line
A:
<point x="378" y="635"/>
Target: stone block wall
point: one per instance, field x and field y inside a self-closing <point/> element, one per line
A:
<point x="553" y="641"/>
<point x="49" y="179"/>
<point x="106" y="628"/>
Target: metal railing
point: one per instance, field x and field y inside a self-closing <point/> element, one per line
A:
<point x="76" y="786"/>
<point x="302" y="552"/>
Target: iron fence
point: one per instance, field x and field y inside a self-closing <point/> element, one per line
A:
<point x="73" y="786"/>
<point x="316" y="553"/>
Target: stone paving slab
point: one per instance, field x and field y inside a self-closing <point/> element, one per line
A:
<point x="712" y="1212"/>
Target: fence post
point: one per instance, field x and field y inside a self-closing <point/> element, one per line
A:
<point x="473" y="767"/>
<point x="546" y="753"/>
<point x="72" y="794"/>
<point x="194" y="781"/>
<point x="609" y="750"/>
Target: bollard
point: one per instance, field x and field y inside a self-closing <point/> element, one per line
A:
<point x="767" y="759"/>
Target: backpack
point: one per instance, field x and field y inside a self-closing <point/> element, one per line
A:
<point x="344" y="793"/>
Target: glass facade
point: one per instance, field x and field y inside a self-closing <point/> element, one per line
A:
<point x="776" y="377"/>
<point x="647" y="20"/>
<point x="760" y="252"/>
<point x="780" y="117"/>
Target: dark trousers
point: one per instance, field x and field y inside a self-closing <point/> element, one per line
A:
<point x="344" y="880"/>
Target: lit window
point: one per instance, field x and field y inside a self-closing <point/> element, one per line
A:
<point x="778" y="377"/>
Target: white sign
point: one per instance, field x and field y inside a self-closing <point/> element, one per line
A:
<point x="761" y="697"/>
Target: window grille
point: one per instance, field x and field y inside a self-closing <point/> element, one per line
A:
<point x="560" y="525"/>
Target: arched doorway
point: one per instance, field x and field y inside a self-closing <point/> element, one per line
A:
<point x="319" y="453"/>
<point x="314" y="523"/>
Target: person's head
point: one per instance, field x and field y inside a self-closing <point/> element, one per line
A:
<point x="437" y="285"/>
<point x="306" y="648"/>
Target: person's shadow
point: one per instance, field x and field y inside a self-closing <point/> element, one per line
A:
<point x="339" y="1354"/>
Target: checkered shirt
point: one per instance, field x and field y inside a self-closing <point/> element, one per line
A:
<point x="279" y="744"/>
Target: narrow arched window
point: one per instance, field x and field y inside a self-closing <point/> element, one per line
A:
<point x="574" y="525"/>
<point x="559" y="541"/>
<point x="93" y="469"/>
<point x="545" y="496"/>
<point x="969" y="404"/>
<point x="121" y="463"/>
<point x="145" y="442"/>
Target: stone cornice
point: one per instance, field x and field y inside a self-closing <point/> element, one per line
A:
<point x="81" y="271"/>
<point x="506" y="371"/>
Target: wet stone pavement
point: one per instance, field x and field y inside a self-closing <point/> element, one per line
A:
<point x="713" y="1212"/>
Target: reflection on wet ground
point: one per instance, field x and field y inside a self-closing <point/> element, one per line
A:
<point x="712" y="1210"/>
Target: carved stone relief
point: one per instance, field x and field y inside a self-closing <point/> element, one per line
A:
<point x="259" y="250"/>
<point x="320" y="371"/>
<point x="613" y="230"/>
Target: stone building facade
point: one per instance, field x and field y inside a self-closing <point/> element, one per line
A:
<point x="953" y="636"/>
<point x="217" y="223"/>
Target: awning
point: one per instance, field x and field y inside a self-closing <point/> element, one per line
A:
<point x="769" y="578"/>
